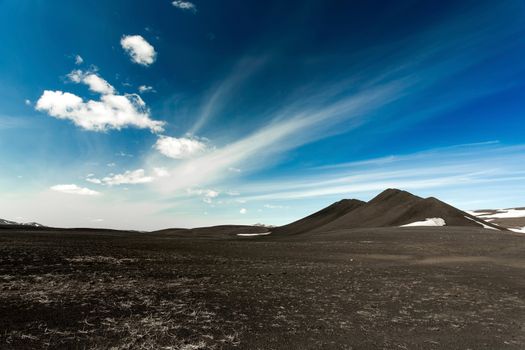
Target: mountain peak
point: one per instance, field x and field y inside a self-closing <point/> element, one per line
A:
<point x="392" y="193"/>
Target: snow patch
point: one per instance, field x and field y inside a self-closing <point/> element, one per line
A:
<point x="427" y="222"/>
<point x="481" y="223"/>
<point x="253" y="234"/>
<point x="477" y="213"/>
<point x="520" y="230"/>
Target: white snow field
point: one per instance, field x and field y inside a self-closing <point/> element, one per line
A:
<point x="253" y="234"/>
<point x="427" y="222"/>
<point x="501" y="214"/>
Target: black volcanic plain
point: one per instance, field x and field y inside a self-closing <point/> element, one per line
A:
<point x="329" y="281"/>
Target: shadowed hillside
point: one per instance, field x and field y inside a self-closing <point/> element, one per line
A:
<point x="322" y="217"/>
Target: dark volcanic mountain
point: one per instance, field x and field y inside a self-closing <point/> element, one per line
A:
<point x="322" y="217"/>
<point x="392" y="207"/>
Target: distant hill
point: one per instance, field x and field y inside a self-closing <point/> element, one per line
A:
<point x="220" y="231"/>
<point x="511" y="218"/>
<point x="392" y="207"/>
<point x="8" y="222"/>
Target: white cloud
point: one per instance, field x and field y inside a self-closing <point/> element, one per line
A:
<point x="211" y="193"/>
<point x="131" y="177"/>
<point x="243" y="211"/>
<point x="185" y="5"/>
<point x="180" y="148"/>
<point x="271" y="206"/>
<point x="27" y="102"/>
<point x="74" y="189"/>
<point x="124" y="154"/>
<point x="95" y="82"/>
<point x="94" y="180"/>
<point x="146" y="88"/>
<point x="203" y="192"/>
<point x="207" y="194"/>
<point x="111" y="112"/>
<point x="161" y="172"/>
<point x="140" y="51"/>
<point x="79" y="60"/>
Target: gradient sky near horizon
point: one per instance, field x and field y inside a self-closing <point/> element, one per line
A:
<point x="150" y="114"/>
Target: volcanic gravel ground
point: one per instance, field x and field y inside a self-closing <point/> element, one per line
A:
<point x="388" y="288"/>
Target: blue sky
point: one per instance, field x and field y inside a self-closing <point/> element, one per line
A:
<point x="151" y="114"/>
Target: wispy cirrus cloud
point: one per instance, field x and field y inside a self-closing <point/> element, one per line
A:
<point x="383" y="96"/>
<point x="8" y="122"/>
<point x="291" y="128"/>
<point x="223" y="91"/>
<point x="442" y="170"/>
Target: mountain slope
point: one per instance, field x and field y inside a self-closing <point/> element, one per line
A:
<point x="320" y="218"/>
<point x="433" y="207"/>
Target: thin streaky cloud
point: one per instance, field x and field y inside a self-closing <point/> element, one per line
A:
<point x="274" y="139"/>
<point x="224" y="90"/>
<point x="460" y="165"/>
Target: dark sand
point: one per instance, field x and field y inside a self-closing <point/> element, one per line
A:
<point x="389" y="288"/>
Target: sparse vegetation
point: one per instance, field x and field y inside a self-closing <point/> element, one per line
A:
<point x="385" y="288"/>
